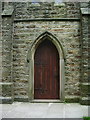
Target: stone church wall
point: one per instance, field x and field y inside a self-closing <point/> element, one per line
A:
<point x="46" y="10"/>
<point x="20" y="30"/>
<point x="25" y="33"/>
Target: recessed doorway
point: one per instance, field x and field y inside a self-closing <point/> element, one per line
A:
<point x="46" y="71"/>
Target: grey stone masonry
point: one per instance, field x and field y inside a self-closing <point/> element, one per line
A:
<point x="85" y="71"/>
<point x="7" y="83"/>
<point x="22" y="24"/>
<point x="46" y="10"/>
<point x="0" y="47"/>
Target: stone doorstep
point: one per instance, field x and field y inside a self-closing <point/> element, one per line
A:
<point x="46" y="101"/>
<point x="45" y="110"/>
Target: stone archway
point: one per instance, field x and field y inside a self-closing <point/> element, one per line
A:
<point x="30" y="59"/>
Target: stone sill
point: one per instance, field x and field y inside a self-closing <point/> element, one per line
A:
<point x="46" y="101"/>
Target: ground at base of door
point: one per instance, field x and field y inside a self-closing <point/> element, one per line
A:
<point x="43" y="110"/>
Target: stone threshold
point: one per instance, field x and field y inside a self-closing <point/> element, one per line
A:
<point x="46" y="101"/>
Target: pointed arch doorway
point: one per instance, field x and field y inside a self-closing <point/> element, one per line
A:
<point x="46" y="71"/>
<point x="55" y="44"/>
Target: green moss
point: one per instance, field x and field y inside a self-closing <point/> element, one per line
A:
<point x="85" y="89"/>
<point x="6" y="101"/>
<point x="85" y="102"/>
<point x="6" y="90"/>
<point x="21" y="99"/>
<point x="71" y="100"/>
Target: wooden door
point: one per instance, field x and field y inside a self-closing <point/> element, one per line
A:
<point x="46" y="71"/>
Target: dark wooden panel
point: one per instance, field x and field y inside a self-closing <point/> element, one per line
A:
<point x="46" y="71"/>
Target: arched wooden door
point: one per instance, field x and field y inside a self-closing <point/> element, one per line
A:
<point x="46" y="71"/>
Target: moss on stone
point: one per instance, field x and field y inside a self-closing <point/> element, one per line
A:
<point x="21" y="99"/>
<point x="85" y="88"/>
<point x="72" y="100"/>
<point x="6" y="90"/>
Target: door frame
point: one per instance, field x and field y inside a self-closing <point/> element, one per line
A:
<point x="30" y="60"/>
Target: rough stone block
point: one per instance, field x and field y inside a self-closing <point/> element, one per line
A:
<point x="6" y="90"/>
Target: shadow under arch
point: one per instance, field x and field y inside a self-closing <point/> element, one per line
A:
<point x="30" y="60"/>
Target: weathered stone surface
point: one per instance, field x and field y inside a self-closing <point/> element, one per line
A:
<point x="46" y="10"/>
<point x="6" y="90"/>
<point x="7" y="25"/>
<point x="85" y="10"/>
<point x="85" y="87"/>
<point x="8" y="10"/>
<point x="0" y="43"/>
<point x="84" y="4"/>
<point x="67" y="32"/>
<point x="20" y="34"/>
